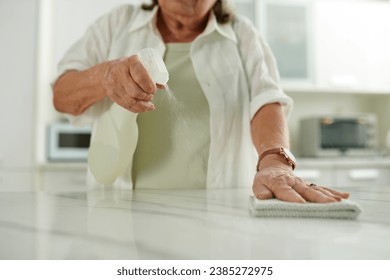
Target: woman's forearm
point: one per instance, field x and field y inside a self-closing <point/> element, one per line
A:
<point x="269" y="128"/>
<point x="76" y="91"/>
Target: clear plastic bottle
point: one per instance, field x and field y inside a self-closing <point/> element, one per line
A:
<point x="115" y="139"/>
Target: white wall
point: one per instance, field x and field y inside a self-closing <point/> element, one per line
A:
<point x="72" y="17"/>
<point x="17" y="91"/>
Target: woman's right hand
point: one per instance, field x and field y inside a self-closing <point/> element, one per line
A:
<point x="127" y="83"/>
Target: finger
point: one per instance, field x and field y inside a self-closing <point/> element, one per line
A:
<point x="262" y="192"/>
<point x="140" y="106"/>
<point x="133" y="105"/>
<point x="341" y="194"/>
<point x="327" y="193"/>
<point x="311" y="194"/>
<point x="119" y="100"/>
<point x="130" y="89"/>
<point x="160" y="86"/>
<point x="284" y="192"/>
<point x="121" y="85"/>
<point x="141" y="76"/>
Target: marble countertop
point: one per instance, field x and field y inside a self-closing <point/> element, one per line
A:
<point x="182" y="224"/>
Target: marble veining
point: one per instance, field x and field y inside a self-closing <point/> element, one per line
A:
<point x="182" y="224"/>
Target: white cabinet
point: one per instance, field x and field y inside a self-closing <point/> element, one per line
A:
<point x="362" y="177"/>
<point x="322" y="44"/>
<point x="345" y="172"/>
<point x="319" y="176"/>
<point x="62" y="176"/>
<point x="352" y="48"/>
<point x="286" y="25"/>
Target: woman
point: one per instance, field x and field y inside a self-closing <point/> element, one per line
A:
<point x="225" y="81"/>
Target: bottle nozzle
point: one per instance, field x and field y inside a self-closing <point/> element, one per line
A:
<point x="155" y="65"/>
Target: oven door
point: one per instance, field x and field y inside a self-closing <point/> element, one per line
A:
<point x="343" y="134"/>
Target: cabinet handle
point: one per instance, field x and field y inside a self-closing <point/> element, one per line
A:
<point x="363" y="174"/>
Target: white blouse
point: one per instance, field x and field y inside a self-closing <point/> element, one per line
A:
<point x="235" y="69"/>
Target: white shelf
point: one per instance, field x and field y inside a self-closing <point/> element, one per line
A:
<point x="334" y="90"/>
<point x="59" y="166"/>
<point x="344" y="162"/>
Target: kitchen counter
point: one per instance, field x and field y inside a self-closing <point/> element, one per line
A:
<point x="182" y="224"/>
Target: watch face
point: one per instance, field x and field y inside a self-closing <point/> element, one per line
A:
<point x="290" y="155"/>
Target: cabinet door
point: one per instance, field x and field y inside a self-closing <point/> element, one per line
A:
<point x="53" y="180"/>
<point x="363" y="177"/>
<point x="319" y="176"/>
<point x="286" y="26"/>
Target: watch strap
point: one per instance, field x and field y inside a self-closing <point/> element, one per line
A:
<point x="278" y="151"/>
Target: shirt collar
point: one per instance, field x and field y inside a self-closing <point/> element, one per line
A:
<point x="149" y="17"/>
<point x="226" y="30"/>
<point x="143" y="18"/>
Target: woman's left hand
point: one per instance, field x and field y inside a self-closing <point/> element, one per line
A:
<point x="276" y="179"/>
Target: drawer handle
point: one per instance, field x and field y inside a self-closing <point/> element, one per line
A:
<point x="363" y="174"/>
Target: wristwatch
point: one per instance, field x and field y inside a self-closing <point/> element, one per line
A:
<point x="283" y="152"/>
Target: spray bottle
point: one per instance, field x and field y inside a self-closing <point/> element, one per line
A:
<point x="115" y="140"/>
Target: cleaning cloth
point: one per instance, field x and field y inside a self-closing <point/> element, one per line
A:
<point x="345" y="209"/>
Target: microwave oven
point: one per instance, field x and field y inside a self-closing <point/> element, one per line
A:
<point x="353" y="135"/>
<point x="67" y="142"/>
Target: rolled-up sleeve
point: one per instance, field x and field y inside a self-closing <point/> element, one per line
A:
<point x="81" y="56"/>
<point x="91" y="49"/>
<point x="261" y="70"/>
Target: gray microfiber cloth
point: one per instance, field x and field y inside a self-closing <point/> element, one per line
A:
<point x="345" y="209"/>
